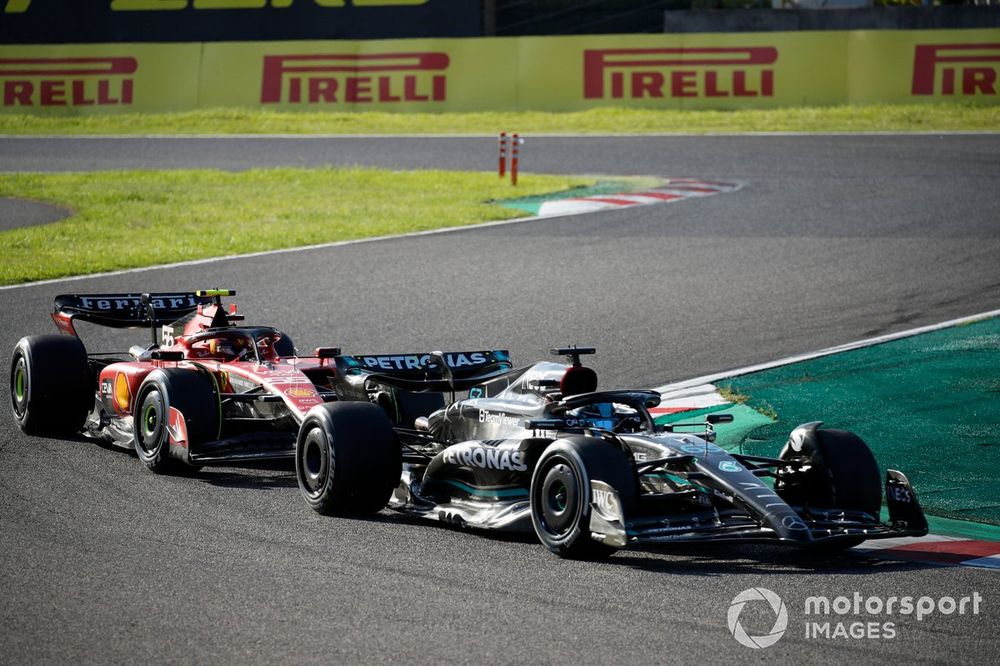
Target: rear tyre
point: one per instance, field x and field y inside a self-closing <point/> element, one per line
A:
<point x="560" y="493"/>
<point x="843" y="475"/>
<point x="51" y="391"/>
<point x="347" y="459"/>
<point x="188" y="391"/>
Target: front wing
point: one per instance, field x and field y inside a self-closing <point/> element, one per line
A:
<point x="816" y="527"/>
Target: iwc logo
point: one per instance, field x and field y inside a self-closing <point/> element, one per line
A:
<point x="755" y="595"/>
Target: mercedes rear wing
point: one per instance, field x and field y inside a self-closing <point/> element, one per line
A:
<point x="430" y="371"/>
<point x="130" y="310"/>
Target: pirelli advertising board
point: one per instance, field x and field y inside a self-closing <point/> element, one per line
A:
<point x="103" y="78"/>
<point x="697" y="71"/>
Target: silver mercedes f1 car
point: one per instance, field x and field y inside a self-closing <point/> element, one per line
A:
<point x="540" y="449"/>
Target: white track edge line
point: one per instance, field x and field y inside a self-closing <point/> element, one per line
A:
<point x="303" y="248"/>
<point x="850" y="346"/>
<point x="540" y="135"/>
<point x="285" y="250"/>
<point x="332" y="244"/>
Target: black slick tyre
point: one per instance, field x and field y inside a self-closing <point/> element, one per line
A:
<point x="347" y="458"/>
<point x="51" y="390"/>
<point x="188" y="391"/>
<point x="560" y="493"/>
<point x="844" y="475"/>
<point x="854" y="475"/>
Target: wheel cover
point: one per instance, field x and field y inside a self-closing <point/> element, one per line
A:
<point x="20" y="386"/>
<point x="559" y="495"/>
<point x="559" y="500"/>
<point x="315" y="461"/>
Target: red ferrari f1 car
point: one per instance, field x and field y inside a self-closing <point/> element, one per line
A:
<point x="209" y="389"/>
<point x="206" y="390"/>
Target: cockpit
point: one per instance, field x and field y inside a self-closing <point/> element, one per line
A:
<point x="256" y="345"/>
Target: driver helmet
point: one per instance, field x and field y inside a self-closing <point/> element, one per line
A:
<point x="600" y="414"/>
<point x="229" y="348"/>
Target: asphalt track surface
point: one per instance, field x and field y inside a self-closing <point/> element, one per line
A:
<point x="833" y="239"/>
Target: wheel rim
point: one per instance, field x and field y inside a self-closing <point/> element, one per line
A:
<point x="149" y="420"/>
<point x="315" y="461"/>
<point x="150" y="423"/>
<point x="559" y="499"/>
<point x="20" y="386"/>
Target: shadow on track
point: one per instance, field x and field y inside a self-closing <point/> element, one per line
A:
<point x="691" y="559"/>
<point x="261" y="475"/>
<point x="706" y="559"/>
<point x="697" y="559"/>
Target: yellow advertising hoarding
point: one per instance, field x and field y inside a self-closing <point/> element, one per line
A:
<point x="99" y="78"/>
<point x="678" y="71"/>
<point x="696" y="71"/>
<point x="397" y="75"/>
<point x="895" y="66"/>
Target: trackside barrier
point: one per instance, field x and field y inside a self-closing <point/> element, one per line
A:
<point x="674" y="71"/>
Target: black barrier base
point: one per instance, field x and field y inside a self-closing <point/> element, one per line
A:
<point x="104" y="21"/>
<point x="862" y="18"/>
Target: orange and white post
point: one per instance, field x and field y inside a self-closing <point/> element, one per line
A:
<point x="502" y="169"/>
<point x="514" y="141"/>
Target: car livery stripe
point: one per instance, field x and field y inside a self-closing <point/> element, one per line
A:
<point x="498" y="492"/>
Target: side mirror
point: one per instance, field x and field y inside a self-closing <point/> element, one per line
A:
<point x="164" y="355"/>
<point x="719" y="418"/>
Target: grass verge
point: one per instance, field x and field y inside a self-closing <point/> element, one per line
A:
<point x="128" y="219"/>
<point x="870" y="118"/>
<point x="926" y="404"/>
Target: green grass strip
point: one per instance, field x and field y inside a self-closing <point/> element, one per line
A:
<point x="129" y="219"/>
<point x="963" y="528"/>
<point x="927" y="405"/>
<point x="869" y="118"/>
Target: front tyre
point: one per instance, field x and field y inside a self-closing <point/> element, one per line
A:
<point x="51" y="391"/>
<point x="191" y="393"/>
<point x="843" y="474"/>
<point x="347" y="459"/>
<point x="560" y="493"/>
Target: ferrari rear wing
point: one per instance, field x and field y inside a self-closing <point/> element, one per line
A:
<point x="129" y="310"/>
